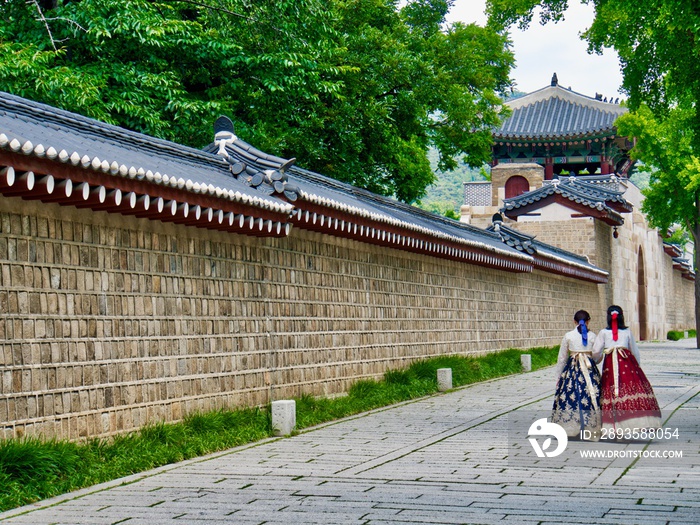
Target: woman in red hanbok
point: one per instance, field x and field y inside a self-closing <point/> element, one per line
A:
<point x="626" y="398"/>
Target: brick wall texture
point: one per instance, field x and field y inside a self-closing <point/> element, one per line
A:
<point x="110" y="322"/>
<point x="668" y="298"/>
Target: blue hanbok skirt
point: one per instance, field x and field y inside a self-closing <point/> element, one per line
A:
<point x="577" y="399"/>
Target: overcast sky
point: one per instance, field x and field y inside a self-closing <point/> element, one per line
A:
<point x="543" y="50"/>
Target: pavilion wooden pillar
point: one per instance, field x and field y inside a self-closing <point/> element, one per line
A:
<point x="604" y="164"/>
<point x="548" y="168"/>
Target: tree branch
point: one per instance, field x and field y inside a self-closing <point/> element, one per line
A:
<point x="72" y="22"/>
<point x="222" y="10"/>
<point x="46" y="24"/>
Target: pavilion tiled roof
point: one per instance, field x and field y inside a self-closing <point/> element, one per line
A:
<point x="554" y="113"/>
<point x="55" y="156"/>
<point x="590" y="197"/>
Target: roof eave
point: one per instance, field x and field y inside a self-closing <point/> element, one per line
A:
<point x="130" y="191"/>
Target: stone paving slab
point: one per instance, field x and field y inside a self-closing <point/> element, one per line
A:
<point x="461" y="457"/>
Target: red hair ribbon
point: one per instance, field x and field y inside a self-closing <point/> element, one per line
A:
<point x="614" y="325"/>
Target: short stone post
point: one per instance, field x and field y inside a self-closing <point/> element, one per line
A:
<point x="526" y="362"/>
<point x="685" y="335"/>
<point x="284" y="417"/>
<point x="444" y="379"/>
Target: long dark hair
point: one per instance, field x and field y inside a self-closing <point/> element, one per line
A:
<point x="581" y="315"/>
<point x="620" y="318"/>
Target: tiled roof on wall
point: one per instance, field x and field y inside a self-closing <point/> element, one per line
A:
<point x="681" y="264"/>
<point x="56" y="156"/>
<point x="673" y="250"/>
<point x="592" y="198"/>
<point x="685" y="267"/>
<point x="555" y="112"/>
<point x="548" y="257"/>
<point x="314" y="192"/>
<point x="46" y="132"/>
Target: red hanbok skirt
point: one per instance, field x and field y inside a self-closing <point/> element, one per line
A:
<point x="632" y="405"/>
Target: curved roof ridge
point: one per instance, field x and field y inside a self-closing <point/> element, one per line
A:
<point x="557" y="112"/>
<point x="565" y="95"/>
<point x="60" y="117"/>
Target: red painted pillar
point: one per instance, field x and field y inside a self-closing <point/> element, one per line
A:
<point x="604" y="165"/>
<point x="549" y="168"/>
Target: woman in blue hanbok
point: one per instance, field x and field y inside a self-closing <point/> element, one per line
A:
<point x="577" y="397"/>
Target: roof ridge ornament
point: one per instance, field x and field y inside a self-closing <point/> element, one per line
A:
<point x="555" y="80"/>
<point x="223" y="135"/>
<point x="511" y="236"/>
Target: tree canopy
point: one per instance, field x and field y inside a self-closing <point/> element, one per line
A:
<point x="665" y="146"/>
<point x="355" y="89"/>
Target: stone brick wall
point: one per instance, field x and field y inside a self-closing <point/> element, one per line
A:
<point x="585" y="237"/>
<point x="579" y="236"/>
<point x="669" y="298"/>
<point x="502" y="172"/>
<point x="109" y="322"/>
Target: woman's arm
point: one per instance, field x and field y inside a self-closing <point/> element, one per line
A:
<point x="634" y="347"/>
<point x="598" y="347"/>
<point x="563" y="356"/>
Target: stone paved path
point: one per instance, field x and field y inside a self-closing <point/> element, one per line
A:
<point x="456" y="458"/>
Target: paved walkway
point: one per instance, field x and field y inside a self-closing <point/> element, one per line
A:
<point x="460" y="457"/>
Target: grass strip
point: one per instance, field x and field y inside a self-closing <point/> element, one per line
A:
<point x="677" y="335"/>
<point x="33" y="469"/>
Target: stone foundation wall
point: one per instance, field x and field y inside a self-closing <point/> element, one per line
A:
<point x="679" y="318"/>
<point x="109" y="322"/>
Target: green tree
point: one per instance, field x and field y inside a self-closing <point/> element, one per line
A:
<point x="658" y="42"/>
<point x="413" y="83"/>
<point x="163" y="68"/>
<point x="355" y="89"/>
<point x="666" y="146"/>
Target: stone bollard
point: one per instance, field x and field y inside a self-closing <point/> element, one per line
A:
<point x="284" y="417"/>
<point x="526" y="362"/>
<point x="685" y="335"/>
<point x="444" y="379"/>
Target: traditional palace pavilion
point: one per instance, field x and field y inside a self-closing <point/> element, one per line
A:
<point x="565" y="132"/>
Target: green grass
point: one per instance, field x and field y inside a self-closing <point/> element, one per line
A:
<point x="677" y="335"/>
<point x="32" y="469"/>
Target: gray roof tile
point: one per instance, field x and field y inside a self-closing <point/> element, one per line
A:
<point x="595" y="195"/>
<point x="554" y="112"/>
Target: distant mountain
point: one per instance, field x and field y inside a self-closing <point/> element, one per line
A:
<point x="446" y="195"/>
<point x="640" y="179"/>
<point x="514" y="93"/>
